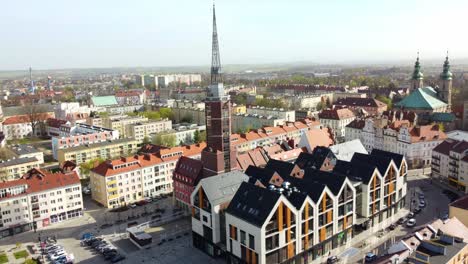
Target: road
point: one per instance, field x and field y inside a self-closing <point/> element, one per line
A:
<point x="436" y="206"/>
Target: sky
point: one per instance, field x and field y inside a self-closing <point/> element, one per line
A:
<point x="56" y="34"/>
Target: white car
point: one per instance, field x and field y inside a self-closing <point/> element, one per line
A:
<point x="411" y="222"/>
<point x="58" y="255"/>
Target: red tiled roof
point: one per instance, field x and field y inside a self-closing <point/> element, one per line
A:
<point x="319" y="137"/>
<point x="288" y="155"/>
<point x="55" y="122"/>
<point x="128" y="93"/>
<point x="427" y="133"/>
<point x="336" y="114"/>
<point x="244" y="160"/>
<point x="109" y="168"/>
<point x="39" y="180"/>
<point x="20" y="119"/>
<point x="461" y="203"/>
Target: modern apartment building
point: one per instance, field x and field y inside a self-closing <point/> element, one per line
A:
<point x="37" y="200"/>
<point x="119" y="182"/>
<point x="105" y="150"/>
<point x="294" y="211"/>
<point x="450" y="163"/>
<point x="142" y="130"/>
<point x="79" y="135"/>
<point x="15" y="168"/>
<point x="209" y="201"/>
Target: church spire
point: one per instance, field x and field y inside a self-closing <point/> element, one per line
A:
<point x="417" y="77"/>
<point x="215" y="56"/>
<point x="446" y="74"/>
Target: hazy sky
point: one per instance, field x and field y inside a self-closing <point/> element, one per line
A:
<point x="51" y="34"/>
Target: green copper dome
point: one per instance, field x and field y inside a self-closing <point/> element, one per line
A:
<point x="446" y="74"/>
<point x="417" y="74"/>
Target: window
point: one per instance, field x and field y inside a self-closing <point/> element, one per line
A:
<point x="272" y="242"/>
<point x="242" y="237"/>
<point x="251" y="242"/>
<point x="233" y="232"/>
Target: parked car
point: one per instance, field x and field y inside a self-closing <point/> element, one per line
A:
<point x="421" y="196"/>
<point x="402" y="220"/>
<point x="117" y="258"/>
<point x="132" y="205"/>
<point x="370" y="257"/>
<point x="110" y="255"/>
<point x="422" y="204"/>
<point x="333" y="259"/>
<point x="142" y="202"/>
<point x="417" y="210"/>
<point x="410" y="215"/>
<point x="411" y="222"/>
<point x="445" y="216"/>
<point x="392" y="226"/>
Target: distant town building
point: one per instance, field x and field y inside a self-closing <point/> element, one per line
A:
<point x="17" y="127"/>
<point x="368" y="105"/>
<point x="27" y="151"/>
<point x="14" y="168"/>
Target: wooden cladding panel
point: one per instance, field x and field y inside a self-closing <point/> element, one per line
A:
<point x="324" y="202"/>
<point x="280" y="217"/>
<point x="200" y="198"/>
<point x="329" y="216"/>
<point x="323" y="234"/>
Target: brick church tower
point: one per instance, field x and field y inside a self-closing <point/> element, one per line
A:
<point x="219" y="156"/>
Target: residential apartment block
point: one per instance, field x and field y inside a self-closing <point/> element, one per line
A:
<point x="37" y="200"/>
<point x="105" y="150"/>
<point x="450" y="163"/>
<point x="119" y="182"/>
<point x="280" y="113"/>
<point x="27" y="151"/>
<point x="121" y="122"/>
<point x="294" y="211"/>
<point x="80" y="135"/>
<point x="15" y="168"/>
<point x="142" y="130"/>
<point x="247" y="122"/>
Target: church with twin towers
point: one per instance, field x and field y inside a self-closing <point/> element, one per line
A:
<point x="427" y="99"/>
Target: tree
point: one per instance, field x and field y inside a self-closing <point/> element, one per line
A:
<point x="35" y="115"/>
<point x="146" y="140"/>
<point x="385" y="100"/>
<point x="196" y="137"/>
<point x="165" y="140"/>
<point x="166" y="113"/>
<point x="186" y="119"/>
<point x="86" y="167"/>
<point x="203" y="136"/>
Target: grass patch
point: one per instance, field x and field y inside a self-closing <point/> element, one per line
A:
<point x="21" y="254"/>
<point x="3" y="258"/>
<point x="30" y="261"/>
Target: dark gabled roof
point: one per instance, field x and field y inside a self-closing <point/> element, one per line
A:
<point x="397" y="158"/>
<point x="380" y="162"/>
<point x="283" y="168"/>
<point x="356" y="171"/>
<point x="297" y="199"/>
<point x="309" y="186"/>
<point x="314" y="160"/>
<point x="261" y="174"/>
<point x="333" y="181"/>
<point x="252" y="203"/>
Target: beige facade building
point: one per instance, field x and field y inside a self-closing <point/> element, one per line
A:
<point x="37" y="200"/>
<point x="130" y="179"/>
<point x="142" y="130"/>
<point x="15" y="168"/>
<point x="120" y="122"/>
<point x="104" y="150"/>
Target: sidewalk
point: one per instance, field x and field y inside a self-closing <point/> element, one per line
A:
<point x="368" y="238"/>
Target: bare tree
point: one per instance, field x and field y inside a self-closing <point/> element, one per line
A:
<point x="35" y="114"/>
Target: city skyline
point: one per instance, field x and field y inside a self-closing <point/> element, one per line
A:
<point x="56" y="35"/>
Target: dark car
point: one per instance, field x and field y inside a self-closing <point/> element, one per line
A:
<point x="417" y="210"/>
<point x="370" y="257"/>
<point x="110" y="255"/>
<point x="402" y="220"/>
<point x="332" y="259"/>
<point x="117" y="258"/>
<point x="142" y="202"/>
<point x="392" y="226"/>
